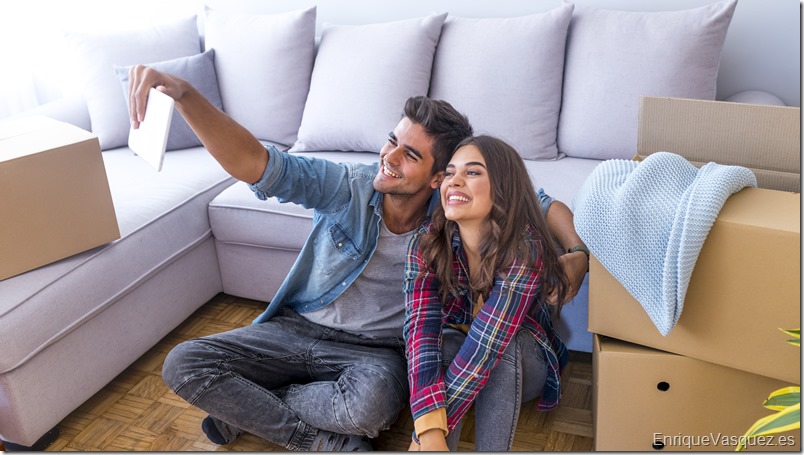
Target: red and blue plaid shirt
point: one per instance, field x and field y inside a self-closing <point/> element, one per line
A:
<point x="512" y="304"/>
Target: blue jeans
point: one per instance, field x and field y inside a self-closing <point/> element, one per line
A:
<point x="517" y="378"/>
<point x="286" y="378"/>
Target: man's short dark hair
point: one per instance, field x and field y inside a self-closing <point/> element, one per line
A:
<point x="443" y="123"/>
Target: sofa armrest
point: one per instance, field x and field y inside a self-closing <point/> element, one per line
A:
<point x="68" y="109"/>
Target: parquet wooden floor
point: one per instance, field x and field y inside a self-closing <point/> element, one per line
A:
<point x="138" y="412"/>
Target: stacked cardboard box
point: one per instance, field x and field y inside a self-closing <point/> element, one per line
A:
<point x="702" y="386"/>
<point x="646" y="399"/>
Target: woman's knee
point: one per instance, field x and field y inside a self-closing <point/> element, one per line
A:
<point x="534" y="368"/>
<point x="451" y="342"/>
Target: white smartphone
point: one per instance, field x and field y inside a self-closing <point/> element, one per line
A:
<point x="149" y="141"/>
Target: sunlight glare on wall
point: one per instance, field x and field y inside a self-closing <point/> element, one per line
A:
<point x="36" y="64"/>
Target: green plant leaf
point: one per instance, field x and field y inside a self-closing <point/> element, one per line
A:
<point x="787" y="401"/>
<point x="788" y="419"/>
<point x="796" y="334"/>
<point x="783" y="398"/>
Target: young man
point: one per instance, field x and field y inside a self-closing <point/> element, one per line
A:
<point x="323" y="368"/>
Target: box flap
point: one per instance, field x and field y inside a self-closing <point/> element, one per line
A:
<point x="23" y="136"/>
<point x="608" y="345"/>
<point x="765" y="139"/>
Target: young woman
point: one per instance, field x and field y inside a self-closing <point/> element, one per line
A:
<point x="477" y="329"/>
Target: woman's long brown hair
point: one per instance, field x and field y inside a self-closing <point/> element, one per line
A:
<point x="515" y="210"/>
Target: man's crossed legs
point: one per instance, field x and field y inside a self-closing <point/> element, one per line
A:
<point x="292" y="382"/>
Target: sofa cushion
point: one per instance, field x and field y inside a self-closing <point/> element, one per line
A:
<point x="505" y="74"/>
<point x="96" y="54"/>
<point x="263" y="62"/>
<point x="236" y="214"/>
<point x="362" y="77"/>
<point x="198" y="70"/>
<point x="562" y="178"/>
<point x="614" y="57"/>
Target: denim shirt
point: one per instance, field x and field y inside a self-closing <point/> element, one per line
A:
<point x="346" y="225"/>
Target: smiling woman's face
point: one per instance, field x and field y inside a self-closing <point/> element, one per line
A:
<point x="466" y="189"/>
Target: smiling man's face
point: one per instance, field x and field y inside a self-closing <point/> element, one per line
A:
<point x="406" y="162"/>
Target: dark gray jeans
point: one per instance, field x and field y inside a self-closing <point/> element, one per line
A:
<point x="518" y="377"/>
<point x="285" y="379"/>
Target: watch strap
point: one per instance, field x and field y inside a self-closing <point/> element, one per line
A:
<point x="579" y="248"/>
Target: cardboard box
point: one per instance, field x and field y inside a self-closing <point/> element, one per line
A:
<point x="54" y="195"/>
<point x="744" y="288"/>
<point x="647" y="400"/>
<point x="765" y="139"/>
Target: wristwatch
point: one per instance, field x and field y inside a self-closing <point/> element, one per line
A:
<point x="584" y="250"/>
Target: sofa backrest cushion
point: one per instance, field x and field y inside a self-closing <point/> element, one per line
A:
<point x="505" y="74"/>
<point x="362" y="77"/>
<point x="96" y="54"/>
<point x="264" y="63"/>
<point x="614" y="57"/>
<point x="198" y="70"/>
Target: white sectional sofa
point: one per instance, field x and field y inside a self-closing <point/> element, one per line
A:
<point x="567" y="99"/>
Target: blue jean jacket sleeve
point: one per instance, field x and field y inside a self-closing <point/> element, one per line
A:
<point x="345" y="227"/>
<point x="545" y="200"/>
<point x="310" y="182"/>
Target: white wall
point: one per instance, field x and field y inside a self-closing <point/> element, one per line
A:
<point x="36" y="67"/>
<point x="762" y="50"/>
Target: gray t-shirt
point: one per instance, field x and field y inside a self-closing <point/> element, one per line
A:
<point x="374" y="305"/>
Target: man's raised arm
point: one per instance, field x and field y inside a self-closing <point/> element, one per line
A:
<point x="235" y="148"/>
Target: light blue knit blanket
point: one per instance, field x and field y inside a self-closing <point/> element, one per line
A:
<point x="647" y="221"/>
